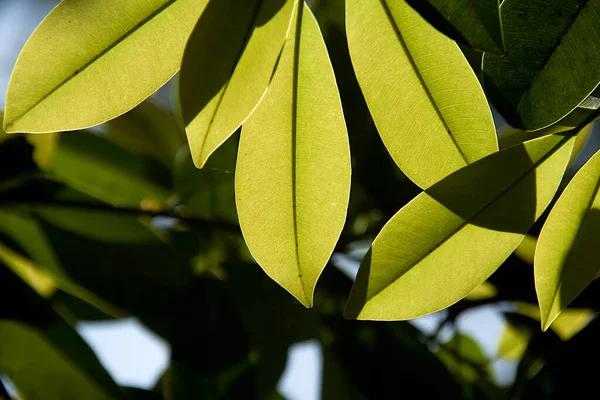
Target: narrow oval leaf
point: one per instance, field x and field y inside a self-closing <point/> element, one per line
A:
<point x="293" y="170"/>
<point x="90" y="61"/>
<point x="424" y="98"/>
<point x="475" y="23"/>
<point x="451" y="238"/>
<point x="228" y="63"/>
<point x="565" y="258"/>
<point x="547" y="71"/>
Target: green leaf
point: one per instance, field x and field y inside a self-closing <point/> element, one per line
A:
<point x="565" y="256"/>
<point x="451" y="238"/>
<point x="547" y="72"/>
<point x="293" y="165"/>
<point x="228" y="63"/>
<point x="101" y="169"/>
<point x="41" y="353"/>
<point x="45" y="147"/>
<point x="464" y="358"/>
<point x="91" y="61"/>
<point x="424" y="98"/>
<point x="475" y="23"/>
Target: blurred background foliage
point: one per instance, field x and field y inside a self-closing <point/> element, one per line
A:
<point x="116" y="221"/>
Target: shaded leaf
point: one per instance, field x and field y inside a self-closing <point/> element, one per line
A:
<point x="475" y="23"/>
<point x="41" y="353"/>
<point x="89" y="62"/>
<point x="148" y="129"/>
<point x="399" y="59"/>
<point x="99" y="168"/>
<point x="228" y="63"/>
<point x="294" y="165"/>
<point x="565" y="256"/>
<point x="450" y="239"/>
<point x="547" y="72"/>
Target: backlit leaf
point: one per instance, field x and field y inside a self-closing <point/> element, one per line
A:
<point x="475" y="23"/>
<point x="565" y="258"/>
<point x="90" y="61"/>
<point x="451" y="238"/>
<point x="547" y="72"/>
<point x="227" y="65"/>
<point x="293" y="165"/>
<point x="424" y="98"/>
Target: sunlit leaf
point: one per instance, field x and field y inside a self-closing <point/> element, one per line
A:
<point x="293" y="165"/>
<point x="546" y="72"/>
<point x="475" y="23"/>
<point x="90" y="61"/>
<point x="565" y="256"/>
<point x="228" y="63"/>
<point x="451" y="238"/>
<point x="424" y="98"/>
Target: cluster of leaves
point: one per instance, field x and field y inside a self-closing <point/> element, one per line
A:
<point x="114" y="221"/>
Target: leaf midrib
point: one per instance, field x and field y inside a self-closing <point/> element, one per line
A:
<point x="101" y="54"/>
<point x="294" y="149"/>
<point x="467" y="221"/>
<point x="421" y="80"/>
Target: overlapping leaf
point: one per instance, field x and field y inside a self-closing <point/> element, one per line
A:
<point x="473" y="22"/>
<point x="548" y="70"/>
<point x="565" y="258"/>
<point x="450" y="239"/>
<point x="424" y="98"/>
<point x="90" y="61"/>
<point x="227" y="65"/>
<point x="293" y="165"/>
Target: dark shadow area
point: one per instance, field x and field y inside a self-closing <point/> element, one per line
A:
<point x="495" y="95"/>
<point x="484" y="195"/>
<point x="435" y="18"/>
<point x="212" y="40"/>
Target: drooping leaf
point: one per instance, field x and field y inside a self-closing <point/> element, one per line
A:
<point x="547" y="72"/>
<point x="565" y="256"/>
<point x="293" y="165"/>
<point x="228" y="63"/>
<point x="475" y="23"/>
<point x="91" y="61"/>
<point x="99" y="168"/>
<point x="41" y="353"/>
<point x="451" y="238"/>
<point x="424" y="98"/>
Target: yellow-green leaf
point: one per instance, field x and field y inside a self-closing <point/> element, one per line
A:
<point x="293" y="170"/>
<point x="227" y="66"/>
<point x="425" y="99"/>
<point x="451" y="238"/>
<point x="90" y="61"/>
<point x="44" y="148"/>
<point x="565" y="259"/>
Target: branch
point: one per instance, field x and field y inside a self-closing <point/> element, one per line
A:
<point x="191" y="221"/>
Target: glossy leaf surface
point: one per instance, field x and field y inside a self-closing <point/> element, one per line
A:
<point x="565" y="255"/>
<point x="294" y="165"/>
<point x="423" y="95"/>
<point x="546" y="72"/>
<point x="451" y="238"/>
<point x="228" y="63"/>
<point x="91" y="61"/>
